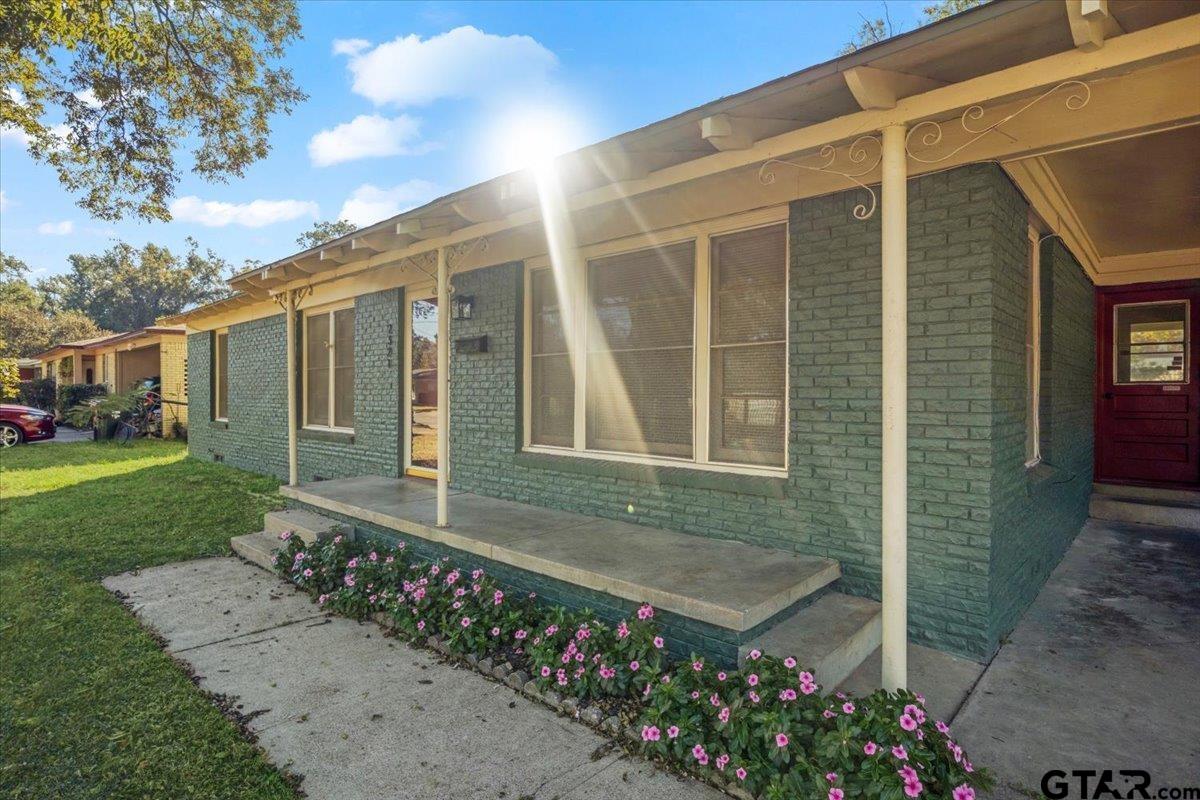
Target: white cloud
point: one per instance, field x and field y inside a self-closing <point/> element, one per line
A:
<point x="63" y="228"/>
<point x="11" y="133"/>
<point x="255" y="214"/>
<point x="464" y="62"/>
<point x="4" y="201"/>
<point x="366" y="136"/>
<point x="88" y="98"/>
<point x="369" y="204"/>
<point x="349" y="47"/>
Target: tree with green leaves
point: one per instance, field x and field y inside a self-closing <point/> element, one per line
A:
<point x="136" y="81"/>
<point x="124" y="288"/>
<point x="878" y="29"/>
<point x="324" y="231"/>
<point x="27" y="324"/>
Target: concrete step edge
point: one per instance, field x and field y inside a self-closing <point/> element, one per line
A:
<point x="309" y="526"/>
<point x="258" y="548"/>
<point x="1142" y="512"/>
<point x="1146" y="493"/>
<point x="840" y="630"/>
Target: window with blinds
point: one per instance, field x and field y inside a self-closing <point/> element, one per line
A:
<point x="639" y="356"/>
<point x="748" y="350"/>
<point x="329" y="369"/>
<point x="552" y="382"/>
<point x="650" y="388"/>
<point x="221" y="375"/>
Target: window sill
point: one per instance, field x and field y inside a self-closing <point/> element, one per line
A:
<point x="220" y="424"/>
<point x="689" y="477"/>
<point x="326" y="435"/>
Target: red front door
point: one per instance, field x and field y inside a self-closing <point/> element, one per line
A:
<point x="1148" y="384"/>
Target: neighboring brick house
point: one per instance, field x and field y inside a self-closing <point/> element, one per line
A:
<point x="701" y="343"/>
<point x="120" y="360"/>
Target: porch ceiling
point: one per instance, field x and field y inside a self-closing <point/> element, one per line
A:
<point x="1137" y="195"/>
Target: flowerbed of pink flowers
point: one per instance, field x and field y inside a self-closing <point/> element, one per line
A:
<point x="766" y="727"/>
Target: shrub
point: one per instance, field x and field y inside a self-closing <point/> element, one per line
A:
<point x="74" y="394"/>
<point x="10" y="379"/>
<point x="38" y="392"/>
<point x="766" y="726"/>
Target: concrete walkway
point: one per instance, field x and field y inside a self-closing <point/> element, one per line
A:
<point x="1102" y="671"/>
<point x="359" y="715"/>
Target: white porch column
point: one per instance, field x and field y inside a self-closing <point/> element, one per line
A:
<point x="443" y="390"/>
<point x="289" y="307"/>
<point x="895" y="409"/>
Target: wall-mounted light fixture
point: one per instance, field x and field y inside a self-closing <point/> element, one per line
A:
<point x="462" y="306"/>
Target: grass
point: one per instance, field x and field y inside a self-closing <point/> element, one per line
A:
<point x="90" y="707"/>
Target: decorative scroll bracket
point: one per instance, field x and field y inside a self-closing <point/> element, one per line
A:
<point x="1079" y="96"/>
<point x="857" y="154"/>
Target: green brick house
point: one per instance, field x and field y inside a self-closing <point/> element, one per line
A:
<point x="846" y="351"/>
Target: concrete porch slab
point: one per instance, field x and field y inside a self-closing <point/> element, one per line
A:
<point x="945" y="680"/>
<point x="724" y="583"/>
<point x="361" y="716"/>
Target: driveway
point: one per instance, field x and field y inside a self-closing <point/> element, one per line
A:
<point x="1102" y="671"/>
<point x="359" y="715"/>
<point x="66" y="435"/>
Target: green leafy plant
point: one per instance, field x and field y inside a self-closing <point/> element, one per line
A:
<point x="94" y="408"/>
<point x="38" y="393"/>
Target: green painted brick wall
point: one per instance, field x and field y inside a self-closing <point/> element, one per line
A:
<point x="967" y="251"/>
<point x="256" y="435"/>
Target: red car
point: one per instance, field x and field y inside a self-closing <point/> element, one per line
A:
<point x="24" y="424"/>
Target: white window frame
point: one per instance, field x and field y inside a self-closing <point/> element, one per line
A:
<point x="324" y="310"/>
<point x="1033" y="353"/>
<point x="219" y="332"/>
<point x="700" y="234"/>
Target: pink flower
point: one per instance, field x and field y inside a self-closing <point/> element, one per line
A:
<point x="352" y="563"/>
<point x="963" y="792"/>
<point x="285" y="536"/>
<point x="831" y="776"/>
<point x="545" y="672"/>
<point x="466" y="622"/>
<point x="913" y="788"/>
<point x="723" y="714"/>
<point x="349" y="579"/>
<point x="697" y="751"/>
<point x="703" y="759"/>
<point x="808" y="688"/>
<point x="495" y="631"/>
<point x="789" y="662"/>
<point x="337" y="539"/>
<point x="755" y="654"/>
<point x="781" y="740"/>
<point x="741" y="773"/>
<point x="899" y="752"/>
<point x="907" y="722"/>
<point x="721" y="676"/>
<point x="321" y="600"/>
<point x="646" y="612"/>
<point x="372" y="599"/>
<point x="434" y="570"/>
<point x="421" y="625"/>
<point x="553" y="629"/>
<point x="715" y="700"/>
<point x="695" y="695"/>
<point x="847" y="707"/>
<point x="658" y="642"/>
<point x="308" y="573"/>
<point x="622" y="629"/>
<point x="836" y="794"/>
<point x="806" y="677"/>
<point x="968" y="766"/>
<point x="673" y="732"/>
<point x="828" y="714"/>
<point x="787" y="695"/>
<point x="697" y="665"/>
<point x="942" y="727"/>
<point x="650" y="733"/>
<point x="754" y="698"/>
<point x="634" y="665"/>
<point x="908" y="773"/>
<point x="373" y="556"/>
<point x="752" y="679"/>
<point x="722" y="760"/>
<point x="870" y="748"/>
<point x="497" y="597"/>
<point x="519" y="635"/>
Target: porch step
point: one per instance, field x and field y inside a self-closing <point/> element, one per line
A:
<point x="1171" y="513"/>
<point x="831" y="637"/>
<point x="1147" y="493"/>
<point x="257" y="548"/>
<point x="308" y="526"/>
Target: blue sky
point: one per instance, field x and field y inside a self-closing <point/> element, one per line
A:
<point x="408" y="101"/>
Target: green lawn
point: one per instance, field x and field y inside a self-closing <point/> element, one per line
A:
<point x="90" y="707"/>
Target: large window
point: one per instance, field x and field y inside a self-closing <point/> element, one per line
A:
<point x="682" y="352"/>
<point x="221" y="375"/>
<point x="329" y="368"/>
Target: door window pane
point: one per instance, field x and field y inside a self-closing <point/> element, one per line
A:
<point x="423" y="431"/>
<point x="552" y="384"/>
<point x="343" y="368"/>
<point x="316" y="385"/>
<point x="749" y="351"/>
<point x="640" y="344"/>
<point x="1151" y="342"/>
